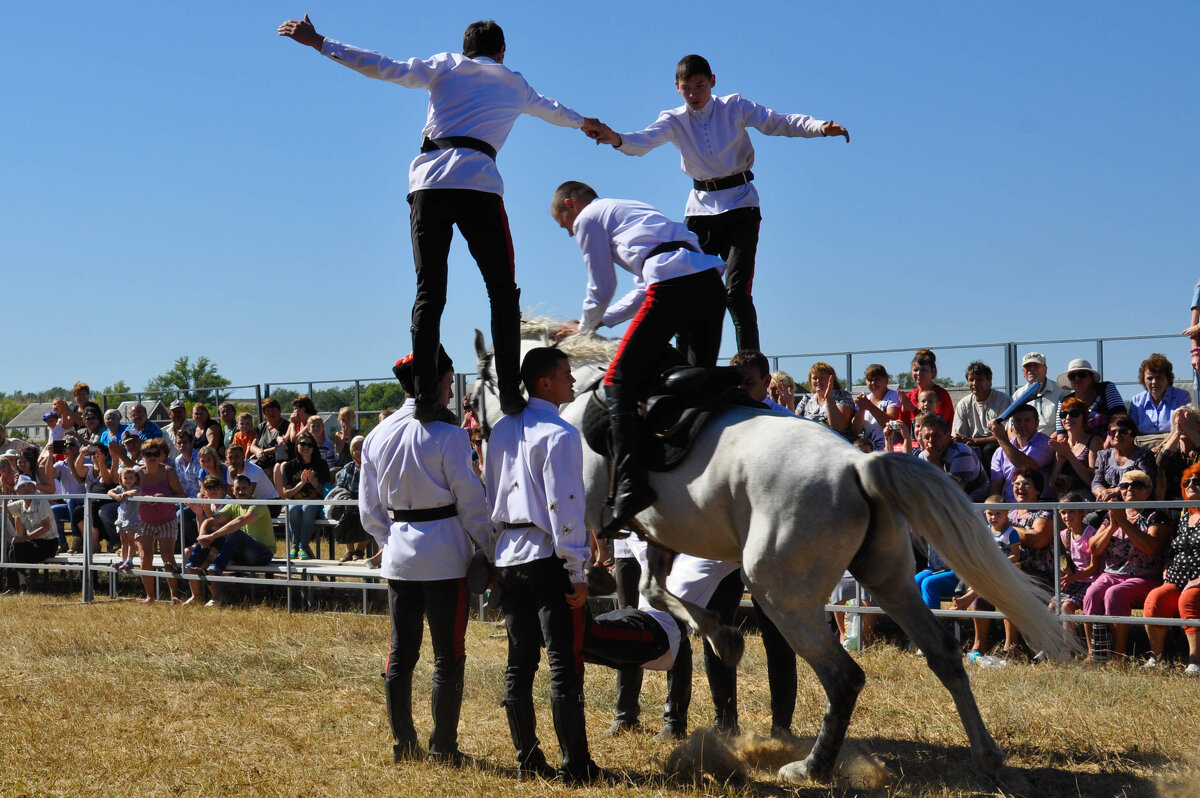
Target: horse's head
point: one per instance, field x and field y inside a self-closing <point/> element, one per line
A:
<point x="485" y="395"/>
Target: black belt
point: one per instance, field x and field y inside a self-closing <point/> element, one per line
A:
<point x="522" y="525"/>
<point x="466" y="142"/>
<point x="718" y="183"/>
<point x="669" y="246"/>
<point x="428" y="514"/>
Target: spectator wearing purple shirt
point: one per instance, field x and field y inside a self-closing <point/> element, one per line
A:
<point x="1028" y="448"/>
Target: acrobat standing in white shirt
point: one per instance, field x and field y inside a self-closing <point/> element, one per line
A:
<point x="420" y="499"/>
<point x="715" y="151"/>
<point x="474" y="100"/>
<point x="534" y="475"/>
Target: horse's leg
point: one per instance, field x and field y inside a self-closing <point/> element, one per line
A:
<point x="881" y="567"/>
<point x="805" y="629"/>
<point x="726" y="641"/>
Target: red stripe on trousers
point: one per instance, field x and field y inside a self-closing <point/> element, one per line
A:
<point x="647" y="301"/>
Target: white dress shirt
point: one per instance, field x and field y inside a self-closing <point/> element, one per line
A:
<point x="407" y="465"/>
<point x="637" y="548"/>
<point x="713" y="143"/>
<point x="474" y="97"/>
<point x="534" y="474"/>
<point x="614" y="232"/>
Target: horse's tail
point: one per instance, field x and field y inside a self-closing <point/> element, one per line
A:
<point x="938" y="509"/>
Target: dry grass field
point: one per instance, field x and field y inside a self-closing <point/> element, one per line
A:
<point x="117" y="699"/>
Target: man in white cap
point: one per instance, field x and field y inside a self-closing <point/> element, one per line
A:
<point x="1033" y="368"/>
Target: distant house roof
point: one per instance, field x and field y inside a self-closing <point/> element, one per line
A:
<point x="31" y="416"/>
<point x="155" y="409"/>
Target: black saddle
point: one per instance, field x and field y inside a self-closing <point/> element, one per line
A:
<point x="681" y="402"/>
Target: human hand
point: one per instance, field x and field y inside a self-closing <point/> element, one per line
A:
<point x="303" y="31"/>
<point x="832" y="128"/>
<point x="1191" y="332"/>
<point x="568" y="329"/>
<point x="578" y="595"/>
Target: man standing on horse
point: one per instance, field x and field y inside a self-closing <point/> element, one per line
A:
<point x="684" y="297"/>
<point x="474" y="100"/>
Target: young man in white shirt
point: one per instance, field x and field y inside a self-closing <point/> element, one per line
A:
<point x="421" y="501"/>
<point x="715" y="151"/>
<point x="534" y="475"/>
<point x="681" y="295"/>
<point x="474" y="100"/>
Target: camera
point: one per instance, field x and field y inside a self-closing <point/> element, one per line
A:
<point x="894" y="426"/>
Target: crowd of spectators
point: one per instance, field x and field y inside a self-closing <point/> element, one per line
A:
<point x="1074" y="441"/>
<point x="95" y="452"/>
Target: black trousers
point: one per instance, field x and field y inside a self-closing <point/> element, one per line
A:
<point x="624" y="638"/>
<point x="733" y="236"/>
<point x="480" y="217"/>
<point x="444" y="604"/>
<point x="781" y="662"/>
<point x="535" y="608"/>
<point x="689" y="307"/>
<point x="627" y="573"/>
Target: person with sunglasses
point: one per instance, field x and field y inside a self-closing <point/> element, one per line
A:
<point x="1120" y="456"/>
<point x="304" y="476"/>
<point x="1127" y="554"/>
<point x="1102" y="398"/>
<point x="157" y="522"/>
<point x="1179" y="594"/>
<point x="1074" y="452"/>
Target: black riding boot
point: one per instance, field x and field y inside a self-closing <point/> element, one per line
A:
<point x="722" y="680"/>
<point x="679" y="694"/>
<point x="522" y="725"/>
<point x="631" y="487"/>
<point x="446" y="701"/>
<point x="571" y="728"/>
<point x="398" y="694"/>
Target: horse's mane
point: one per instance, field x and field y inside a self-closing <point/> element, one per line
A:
<point x="581" y="348"/>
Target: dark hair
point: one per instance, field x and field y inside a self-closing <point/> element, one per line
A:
<point x="754" y="358"/>
<point x="1025" y="408"/>
<point x="572" y="189"/>
<point x="484" y="38"/>
<point x="224" y="405"/>
<point x="271" y="401"/>
<point x="213" y="483"/>
<point x="691" y="66"/>
<point x="1034" y="475"/>
<point x="540" y="362"/>
<point x="1156" y="363"/>
<point x="404" y="370"/>
<point x="1070" y="497"/>
<point x="925" y="357"/>
<point x="934" y="420"/>
<point x="302" y="402"/>
<point x="978" y="368"/>
<point x="875" y="370"/>
<point x="1124" y="422"/>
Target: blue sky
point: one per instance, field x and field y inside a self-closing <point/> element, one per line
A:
<point x="178" y="180"/>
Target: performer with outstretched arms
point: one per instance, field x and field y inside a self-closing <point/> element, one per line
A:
<point x="715" y="151"/>
<point x="474" y="100"/>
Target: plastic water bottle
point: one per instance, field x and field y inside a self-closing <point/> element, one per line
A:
<point x="853" y="628"/>
<point x="985" y="660"/>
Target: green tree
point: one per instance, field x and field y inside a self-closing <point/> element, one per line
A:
<point x="904" y="382"/>
<point x="328" y="399"/>
<point x="380" y="395"/>
<point x="195" y="381"/>
<point x="120" y="386"/>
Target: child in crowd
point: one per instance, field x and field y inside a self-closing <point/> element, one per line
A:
<point x="127" y="519"/>
<point x="56" y="434"/>
<point x="1076" y="538"/>
<point x="246" y="436"/>
<point x="1009" y="541"/>
<point x="316" y="425"/>
<point x="905" y="436"/>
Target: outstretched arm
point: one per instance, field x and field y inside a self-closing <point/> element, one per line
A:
<point x="302" y="30"/>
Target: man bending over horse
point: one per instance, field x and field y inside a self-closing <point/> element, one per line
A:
<point x="684" y="296"/>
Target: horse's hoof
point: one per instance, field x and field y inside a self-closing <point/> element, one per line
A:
<point x="805" y="771"/>
<point x="729" y="645"/>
